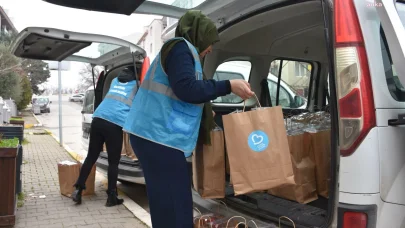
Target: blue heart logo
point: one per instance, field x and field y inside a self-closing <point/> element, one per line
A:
<point x="258" y="141"/>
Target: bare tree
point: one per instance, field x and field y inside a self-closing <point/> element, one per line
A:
<point x="87" y="76"/>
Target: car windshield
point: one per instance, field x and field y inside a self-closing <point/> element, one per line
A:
<point x="42" y="100"/>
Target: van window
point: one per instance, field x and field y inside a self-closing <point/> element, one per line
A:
<point x="88" y="103"/>
<point x="395" y="86"/>
<point x="284" y="97"/>
<point x="294" y="84"/>
<point x="232" y="70"/>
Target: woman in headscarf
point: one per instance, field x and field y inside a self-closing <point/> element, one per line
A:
<point x="171" y="112"/>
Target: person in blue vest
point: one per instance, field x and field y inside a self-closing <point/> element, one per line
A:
<point x="106" y="127"/>
<point x="171" y="112"/>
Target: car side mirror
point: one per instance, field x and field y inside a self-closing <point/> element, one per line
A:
<point x="50" y="102"/>
<point x="82" y="111"/>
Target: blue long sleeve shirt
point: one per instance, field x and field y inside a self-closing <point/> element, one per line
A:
<point x="179" y="66"/>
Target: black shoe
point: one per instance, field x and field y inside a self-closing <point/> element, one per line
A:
<point x="113" y="199"/>
<point x="77" y="195"/>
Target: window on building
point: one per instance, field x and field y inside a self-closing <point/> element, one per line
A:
<point x="232" y="70"/>
<point x="302" y="69"/>
<point x="294" y="84"/>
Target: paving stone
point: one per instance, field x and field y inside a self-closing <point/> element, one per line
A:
<point x="40" y="177"/>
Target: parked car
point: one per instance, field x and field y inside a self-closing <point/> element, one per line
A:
<point x="76" y="97"/>
<point x="348" y="54"/>
<point x="239" y="70"/>
<point x="44" y="104"/>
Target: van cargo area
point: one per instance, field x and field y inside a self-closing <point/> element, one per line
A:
<point x="292" y="35"/>
<point x="269" y="45"/>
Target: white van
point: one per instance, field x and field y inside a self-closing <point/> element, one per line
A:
<point x="349" y="54"/>
<point x="59" y="45"/>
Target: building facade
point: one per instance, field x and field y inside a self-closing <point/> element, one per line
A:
<point x="6" y="25"/>
<point x="151" y="40"/>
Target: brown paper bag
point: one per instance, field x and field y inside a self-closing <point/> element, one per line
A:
<point x="209" y="167"/>
<point x="257" y="146"/>
<point x="304" y="191"/>
<point x="68" y="173"/>
<point x="321" y="156"/>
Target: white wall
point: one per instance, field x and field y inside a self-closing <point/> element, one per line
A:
<point x="153" y="41"/>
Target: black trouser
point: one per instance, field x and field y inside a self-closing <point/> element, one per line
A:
<point x="103" y="131"/>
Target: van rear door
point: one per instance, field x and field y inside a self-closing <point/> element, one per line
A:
<point x="59" y="45"/>
<point x="391" y="107"/>
<point x="220" y="11"/>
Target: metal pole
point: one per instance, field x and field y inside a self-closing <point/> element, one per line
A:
<point x="60" y="102"/>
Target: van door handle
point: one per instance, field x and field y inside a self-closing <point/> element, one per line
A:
<point x="397" y="122"/>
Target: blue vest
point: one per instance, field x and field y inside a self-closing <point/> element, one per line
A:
<point x="158" y="115"/>
<point x="116" y="104"/>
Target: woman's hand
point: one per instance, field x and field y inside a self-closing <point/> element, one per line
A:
<point x="213" y="113"/>
<point x="241" y="88"/>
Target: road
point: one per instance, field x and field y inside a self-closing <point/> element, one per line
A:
<point x="72" y="137"/>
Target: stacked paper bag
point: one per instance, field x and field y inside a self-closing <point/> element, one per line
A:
<point x="304" y="191"/>
<point x="209" y="167"/>
<point x="316" y="127"/>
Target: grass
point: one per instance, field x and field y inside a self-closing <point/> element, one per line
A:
<point x="9" y="143"/>
<point x="25" y="141"/>
<point x="20" y="204"/>
<point x="17" y="119"/>
<point x="21" y="198"/>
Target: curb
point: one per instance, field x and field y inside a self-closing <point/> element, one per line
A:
<point x="133" y="207"/>
<point x="39" y="124"/>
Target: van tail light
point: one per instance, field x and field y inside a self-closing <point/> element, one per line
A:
<point x="145" y="67"/>
<point x="356" y="103"/>
<point x="354" y="220"/>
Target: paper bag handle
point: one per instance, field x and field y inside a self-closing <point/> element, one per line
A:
<point x="233" y="218"/>
<point x="285" y="217"/>
<point x="244" y="103"/>
<point x="254" y="223"/>
<point x="237" y="225"/>
<point x="199" y="221"/>
<point x="222" y="202"/>
<point x="197" y="210"/>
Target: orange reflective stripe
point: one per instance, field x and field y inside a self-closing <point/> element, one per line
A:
<point x="145" y="67"/>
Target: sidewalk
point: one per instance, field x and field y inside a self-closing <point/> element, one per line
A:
<point x="40" y="178"/>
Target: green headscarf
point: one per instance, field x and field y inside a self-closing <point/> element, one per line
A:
<point x="200" y="31"/>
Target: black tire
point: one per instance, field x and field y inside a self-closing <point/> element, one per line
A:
<point x="49" y="110"/>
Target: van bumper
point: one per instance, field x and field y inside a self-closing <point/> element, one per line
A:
<point x="128" y="170"/>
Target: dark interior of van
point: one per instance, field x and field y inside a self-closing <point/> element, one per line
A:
<point x="284" y="39"/>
